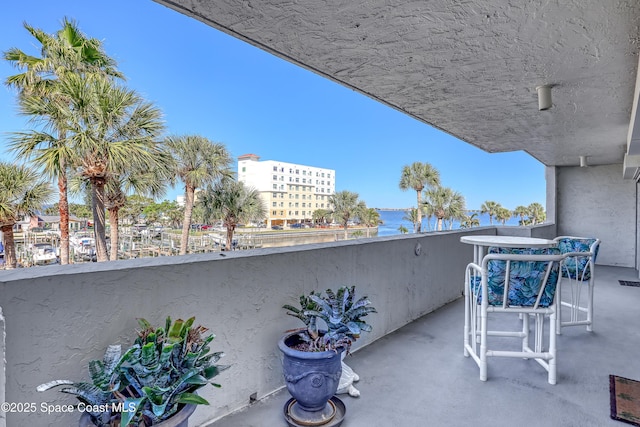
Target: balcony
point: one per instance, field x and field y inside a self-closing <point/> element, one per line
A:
<point x="417" y="375"/>
<point x="57" y="318"/>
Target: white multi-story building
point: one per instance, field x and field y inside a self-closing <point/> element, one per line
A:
<point x="290" y="192"/>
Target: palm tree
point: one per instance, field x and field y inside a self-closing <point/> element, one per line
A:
<point x="503" y="214"/>
<point x="320" y="215"/>
<point x="65" y="52"/>
<point x="412" y="216"/>
<point x="235" y="203"/>
<point x="346" y="205"/>
<point x="114" y="132"/>
<point x="419" y="176"/>
<point x="470" y="221"/>
<point x="536" y="213"/>
<point x="369" y="218"/>
<point x="490" y="207"/>
<point x="457" y="209"/>
<point x="521" y="211"/>
<point x="148" y="182"/>
<point x="444" y="203"/>
<point x="23" y="191"/>
<point x="198" y="163"/>
<point x="403" y="230"/>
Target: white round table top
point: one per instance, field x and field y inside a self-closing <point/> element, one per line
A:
<point x="508" y="241"/>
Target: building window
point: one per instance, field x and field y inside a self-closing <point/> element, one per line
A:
<point x="297" y="196"/>
<point x="304" y="205"/>
<point x="244" y="169"/>
<point x="297" y="171"/>
<point x="281" y="212"/>
<point x="297" y="179"/>
<point x="275" y="186"/>
<point x="273" y="212"/>
<point x="304" y="172"/>
<point x="275" y="169"/>
<point x="322" y="174"/>
<point x="274" y="204"/>
<point x="275" y="177"/>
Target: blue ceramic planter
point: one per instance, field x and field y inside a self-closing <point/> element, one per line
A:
<point x="312" y="377"/>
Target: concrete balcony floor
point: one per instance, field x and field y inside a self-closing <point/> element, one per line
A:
<point x="418" y="376"/>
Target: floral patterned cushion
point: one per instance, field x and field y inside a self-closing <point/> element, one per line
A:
<point x="577" y="266"/>
<point x="525" y="278"/>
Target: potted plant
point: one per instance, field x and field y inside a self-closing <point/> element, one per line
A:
<point x="312" y="355"/>
<point x="153" y="383"/>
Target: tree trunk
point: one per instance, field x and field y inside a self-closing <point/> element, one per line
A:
<point x="63" y="210"/>
<point x="10" y="260"/>
<point x="418" y="227"/>
<point x="113" y="233"/>
<point x="439" y="224"/>
<point x="186" y="224"/>
<point x="230" y="230"/>
<point x="97" y="205"/>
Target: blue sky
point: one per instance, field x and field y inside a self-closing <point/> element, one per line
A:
<point x="211" y="84"/>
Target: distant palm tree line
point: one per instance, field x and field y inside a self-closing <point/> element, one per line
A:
<point x="447" y="205"/>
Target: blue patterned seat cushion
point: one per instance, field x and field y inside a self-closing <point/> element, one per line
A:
<point x="577" y="266"/>
<point x="525" y="278"/>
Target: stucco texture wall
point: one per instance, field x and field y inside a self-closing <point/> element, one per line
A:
<point x="597" y="202"/>
<point x="58" y="318"/>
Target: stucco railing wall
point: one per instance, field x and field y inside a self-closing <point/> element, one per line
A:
<point x="57" y="318"/>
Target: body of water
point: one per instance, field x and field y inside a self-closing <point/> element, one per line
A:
<point x="392" y="220"/>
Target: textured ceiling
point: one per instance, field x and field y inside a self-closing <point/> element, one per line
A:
<point x="469" y="68"/>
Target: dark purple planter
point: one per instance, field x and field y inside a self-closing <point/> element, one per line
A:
<point x="180" y="419"/>
<point x="312" y="377"/>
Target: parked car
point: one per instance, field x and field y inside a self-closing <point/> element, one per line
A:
<point x="276" y="227"/>
<point x="297" y="225"/>
<point x="206" y="227"/>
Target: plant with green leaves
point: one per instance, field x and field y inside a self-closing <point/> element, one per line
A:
<point x="151" y="381"/>
<point x="164" y="368"/>
<point x="103" y="389"/>
<point x="341" y="314"/>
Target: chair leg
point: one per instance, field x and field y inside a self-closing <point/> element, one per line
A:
<point x="552" y="347"/>
<point x="467" y="307"/>
<point x="559" y="305"/>
<point x="590" y="304"/>
<point x="483" y="347"/>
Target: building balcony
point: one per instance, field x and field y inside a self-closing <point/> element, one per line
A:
<point x="413" y="372"/>
<point x="418" y="376"/>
